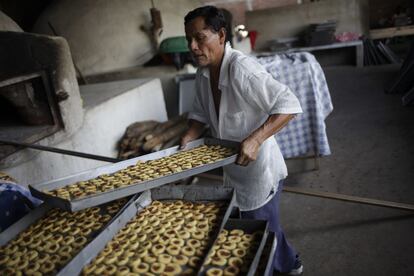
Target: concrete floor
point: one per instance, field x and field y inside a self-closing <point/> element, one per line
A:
<point x="372" y="142"/>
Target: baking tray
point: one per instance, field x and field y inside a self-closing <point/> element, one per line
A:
<point x="265" y="267"/>
<point x="248" y="226"/>
<point x="38" y="190"/>
<point x="193" y="192"/>
<point x="72" y="267"/>
<point x="198" y="192"/>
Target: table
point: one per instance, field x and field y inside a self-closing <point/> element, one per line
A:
<point x="357" y="44"/>
<point x="306" y="134"/>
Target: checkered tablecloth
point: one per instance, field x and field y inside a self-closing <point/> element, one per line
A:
<point x="15" y="202"/>
<point x="306" y="134"/>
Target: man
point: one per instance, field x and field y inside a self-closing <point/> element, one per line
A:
<point x="240" y="101"/>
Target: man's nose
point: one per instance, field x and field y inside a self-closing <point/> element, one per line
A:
<point x="193" y="45"/>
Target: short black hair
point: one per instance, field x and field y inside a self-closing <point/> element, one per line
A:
<point x="213" y="17"/>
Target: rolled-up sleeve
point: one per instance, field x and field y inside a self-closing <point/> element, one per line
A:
<point x="271" y="96"/>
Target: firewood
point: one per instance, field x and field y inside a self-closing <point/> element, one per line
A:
<point x="157" y="148"/>
<point x="143" y="136"/>
<point x="124" y="143"/>
<point x="137" y="128"/>
<point x="172" y="142"/>
<point x="125" y="155"/>
<point x="165" y="136"/>
<point x="166" y="125"/>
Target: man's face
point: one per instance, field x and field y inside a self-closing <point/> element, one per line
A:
<point x="205" y="45"/>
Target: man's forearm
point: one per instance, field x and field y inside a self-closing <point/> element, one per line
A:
<point x="271" y="126"/>
<point x="196" y="128"/>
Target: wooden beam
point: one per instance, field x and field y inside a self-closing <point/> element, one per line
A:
<point x="348" y="198"/>
<point x="391" y="32"/>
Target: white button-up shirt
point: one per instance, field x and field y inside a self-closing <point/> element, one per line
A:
<point x="248" y="96"/>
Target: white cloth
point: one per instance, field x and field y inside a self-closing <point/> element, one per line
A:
<point x="249" y="94"/>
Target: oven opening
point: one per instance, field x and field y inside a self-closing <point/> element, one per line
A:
<point x="28" y="111"/>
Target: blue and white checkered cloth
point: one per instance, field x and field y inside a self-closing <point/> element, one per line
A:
<point x="306" y="134"/>
<point x="15" y="202"/>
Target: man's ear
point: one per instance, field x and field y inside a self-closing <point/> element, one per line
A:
<point x="222" y="35"/>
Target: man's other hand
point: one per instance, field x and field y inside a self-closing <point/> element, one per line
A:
<point x="248" y="151"/>
<point x="195" y="130"/>
<point x="187" y="137"/>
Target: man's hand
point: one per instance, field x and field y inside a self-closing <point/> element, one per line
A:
<point x="250" y="146"/>
<point x="195" y="130"/>
<point x="187" y="137"/>
<point x="248" y="151"/>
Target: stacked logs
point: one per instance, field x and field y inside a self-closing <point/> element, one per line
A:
<point x="148" y="136"/>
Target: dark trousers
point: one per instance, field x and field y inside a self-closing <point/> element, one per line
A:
<point x="285" y="255"/>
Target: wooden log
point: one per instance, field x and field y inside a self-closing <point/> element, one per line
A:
<point x="165" y="136"/>
<point x="162" y="127"/>
<point x="142" y="137"/>
<point x="174" y="141"/>
<point x="157" y="148"/>
<point x="137" y="128"/>
<point x="124" y="144"/>
<point x="127" y="154"/>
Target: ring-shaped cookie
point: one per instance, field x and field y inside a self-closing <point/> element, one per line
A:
<point x="235" y="261"/>
<point x="219" y="261"/>
<point x="173" y="250"/>
<point x="188" y="251"/>
<point x="140" y="268"/>
<point x="158" y="249"/>
<point x="214" y="272"/>
<point x="157" y="268"/>
<point x="180" y="259"/>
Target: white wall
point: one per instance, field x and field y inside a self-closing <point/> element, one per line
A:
<point x="105" y="35"/>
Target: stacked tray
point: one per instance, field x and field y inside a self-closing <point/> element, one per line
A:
<point x="238" y="248"/>
<point x="52" y="241"/>
<point x="107" y="183"/>
<point x="172" y="231"/>
<point x="265" y="266"/>
<point x="197" y="213"/>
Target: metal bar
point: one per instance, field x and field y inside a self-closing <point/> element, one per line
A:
<point x="348" y="198"/>
<point x="62" y="151"/>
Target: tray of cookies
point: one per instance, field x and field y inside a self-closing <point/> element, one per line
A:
<point x="265" y="266"/>
<point x="237" y="249"/>
<point x="50" y="241"/>
<point x="107" y="183"/>
<point x="170" y="236"/>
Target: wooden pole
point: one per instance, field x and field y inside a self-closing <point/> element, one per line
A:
<point x="348" y="198"/>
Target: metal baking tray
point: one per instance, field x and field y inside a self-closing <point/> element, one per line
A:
<point x="198" y="192"/>
<point x="72" y="267"/>
<point x="265" y="267"/>
<point x="37" y="190"/>
<point x="192" y="192"/>
<point x="249" y="226"/>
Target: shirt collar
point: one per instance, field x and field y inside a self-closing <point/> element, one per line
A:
<point x="224" y="69"/>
